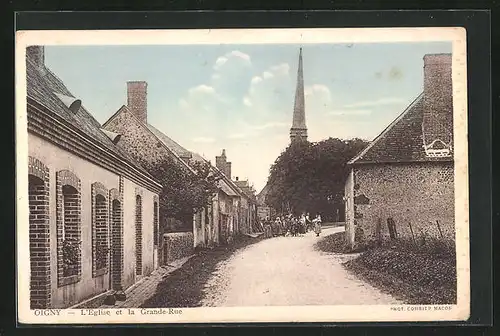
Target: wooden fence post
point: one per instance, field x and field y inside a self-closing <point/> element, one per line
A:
<point x="439" y="228"/>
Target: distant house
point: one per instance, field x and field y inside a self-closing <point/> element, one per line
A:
<point x="263" y="210"/>
<point x="246" y="203"/>
<point x="93" y="211"/>
<point x="402" y="183"/>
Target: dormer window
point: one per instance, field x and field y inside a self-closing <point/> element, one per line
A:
<point x="438" y="149"/>
<point x="71" y="103"/>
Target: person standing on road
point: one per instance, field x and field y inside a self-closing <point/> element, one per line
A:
<point x="302" y="228"/>
<point x="317" y="225"/>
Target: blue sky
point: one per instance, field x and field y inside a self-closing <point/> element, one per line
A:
<point x="240" y="97"/>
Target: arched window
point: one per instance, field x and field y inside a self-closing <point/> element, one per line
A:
<point x="138" y="235"/>
<point x="155" y="223"/>
<point x="39" y="234"/>
<point x="100" y="248"/>
<point x="68" y="228"/>
<point x="116" y="239"/>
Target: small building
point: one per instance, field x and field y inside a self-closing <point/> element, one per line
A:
<point x="93" y="211"/>
<point x="246" y="203"/>
<point x="263" y="209"/>
<point x="402" y="183"/>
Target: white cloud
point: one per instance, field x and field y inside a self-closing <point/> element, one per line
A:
<point x="220" y="62"/>
<point x="270" y="90"/>
<point x="202" y="89"/>
<point x="267" y="75"/>
<point x="282" y="69"/>
<point x="256" y="80"/>
<point x="318" y="88"/>
<point x="378" y="102"/>
<point x="247" y="101"/>
<point x="203" y="140"/>
<point x="235" y="54"/>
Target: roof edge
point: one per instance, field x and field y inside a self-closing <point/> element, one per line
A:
<point x="386" y="130"/>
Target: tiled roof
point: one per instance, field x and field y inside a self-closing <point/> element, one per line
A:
<point x="226" y="185"/>
<point x="43" y="85"/>
<point x="174" y="146"/>
<point x="401" y="141"/>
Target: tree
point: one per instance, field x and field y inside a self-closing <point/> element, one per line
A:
<point x="310" y="176"/>
<point x="183" y="192"/>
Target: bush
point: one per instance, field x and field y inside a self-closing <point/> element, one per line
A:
<point x="71" y="253"/>
<point x="416" y="273"/>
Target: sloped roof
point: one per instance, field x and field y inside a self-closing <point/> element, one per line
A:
<point x="174" y="146"/>
<point x="227" y="186"/>
<point x="43" y="86"/>
<point x="401" y="141"/>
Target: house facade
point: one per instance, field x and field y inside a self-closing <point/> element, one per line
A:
<point x="245" y="204"/>
<point x="402" y="183"/>
<point x="93" y="211"/>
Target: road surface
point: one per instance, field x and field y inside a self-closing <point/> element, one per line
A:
<point x="286" y="271"/>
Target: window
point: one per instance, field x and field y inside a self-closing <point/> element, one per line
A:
<point x="100" y="248"/>
<point x="39" y="235"/>
<point x="155" y="223"/>
<point x="138" y="235"/>
<point x="116" y="239"/>
<point x="68" y="227"/>
<point x="70" y="231"/>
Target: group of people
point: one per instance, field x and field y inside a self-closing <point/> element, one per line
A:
<point x="290" y="225"/>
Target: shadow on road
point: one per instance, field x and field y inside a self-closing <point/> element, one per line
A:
<point x="184" y="286"/>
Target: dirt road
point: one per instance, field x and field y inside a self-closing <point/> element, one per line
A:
<point x="287" y="271"/>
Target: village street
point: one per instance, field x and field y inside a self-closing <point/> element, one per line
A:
<point x="286" y="271"/>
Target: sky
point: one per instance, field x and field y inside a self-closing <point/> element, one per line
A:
<point x="240" y="97"/>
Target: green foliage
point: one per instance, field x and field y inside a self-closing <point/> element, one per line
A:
<point x="70" y="252"/>
<point x="101" y="255"/>
<point x="311" y="176"/>
<point x="184" y="192"/>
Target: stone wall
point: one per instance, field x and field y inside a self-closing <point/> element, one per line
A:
<point x="416" y="196"/>
<point x="141" y="144"/>
<point x="177" y="245"/>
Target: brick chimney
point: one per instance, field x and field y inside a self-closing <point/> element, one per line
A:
<point x="37" y="55"/>
<point x="137" y="99"/>
<point x="438" y="105"/>
<point x="222" y="164"/>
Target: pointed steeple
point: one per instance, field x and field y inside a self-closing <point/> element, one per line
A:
<point x="299" y="129"/>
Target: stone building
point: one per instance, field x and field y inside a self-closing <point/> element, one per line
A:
<point x="245" y="203"/>
<point x="140" y="139"/>
<point x="93" y="211"/>
<point x="402" y="183"/>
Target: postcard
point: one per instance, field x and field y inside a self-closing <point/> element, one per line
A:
<point x="242" y="175"/>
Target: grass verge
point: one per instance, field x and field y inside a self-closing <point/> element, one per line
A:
<point x="184" y="286"/>
<point x="414" y="274"/>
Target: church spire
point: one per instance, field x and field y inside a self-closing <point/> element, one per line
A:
<point x="299" y="129"/>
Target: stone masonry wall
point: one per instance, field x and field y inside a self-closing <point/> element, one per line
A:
<point x="416" y="194"/>
<point x="177" y="245"/>
<point x="136" y="140"/>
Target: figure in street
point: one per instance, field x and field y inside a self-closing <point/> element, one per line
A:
<point x="317" y="225"/>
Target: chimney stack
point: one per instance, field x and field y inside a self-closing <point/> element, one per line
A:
<point x="222" y="164"/>
<point x="228" y="170"/>
<point x="438" y="105"/>
<point x="37" y="55"/>
<point x="137" y="99"/>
